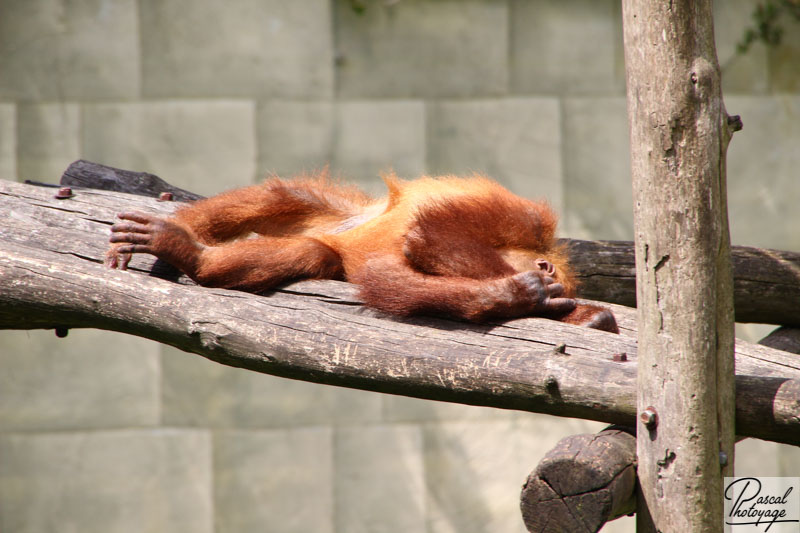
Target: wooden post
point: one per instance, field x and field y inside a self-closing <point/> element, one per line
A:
<point x="679" y="134"/>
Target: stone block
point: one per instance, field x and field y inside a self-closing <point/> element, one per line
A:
<point x="121" y="481"/>
<point x="516" y="141"/>
<point x="403" y="409"/>
<point x="203" y="146"/>
<point x="422" y="48"/>
<point x="295" y="137"/>
<point x="357" y="140"/>
<point x="741" y="73"/>
<point x="8" y="142"/>
<point x="566" y="47"/>
<point x="784" y="74"/>
<point x="49" y="140"/>
<point x="241" y="48"/>
<point x="246" y="399"/>
<point x="277" y="480"/>
<point x="374" y="137"/>
<point x="753" y="332"/>
<point x="380" y="482"/>
<point x="759" y="458"/>
<point x="475" y="469"/>
<point x="91" y="379"/>
<point x="762" y="167"/>
<point x="598" y="200"/>
<point x="83" y="50"/>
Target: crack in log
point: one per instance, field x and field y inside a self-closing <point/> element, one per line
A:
<point x="62" y="209"/>
<point x="99" y="221"/>
<point x="79" y="256"/>
<point x="319" y="295"/>
<point x="773" y="362"/>
<point x="562" y="499"/>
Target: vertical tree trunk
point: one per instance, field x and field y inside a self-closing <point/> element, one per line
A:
<point x="679" y="134"/>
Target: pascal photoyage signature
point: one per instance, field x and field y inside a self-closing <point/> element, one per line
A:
<point x="753" y="508"/>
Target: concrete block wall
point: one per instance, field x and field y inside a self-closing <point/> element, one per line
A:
<point x="104" y="432"/>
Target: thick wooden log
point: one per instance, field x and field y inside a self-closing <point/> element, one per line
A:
<point x="51" y="275"/>
<point x="582" y="483"/>
<point x="766" y="282"/>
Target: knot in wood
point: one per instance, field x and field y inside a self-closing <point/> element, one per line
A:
<point x="735" y="122"/>
<point x="703" y="77"/>
<point x="210" y="334"/>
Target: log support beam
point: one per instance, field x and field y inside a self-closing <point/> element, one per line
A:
<point x="587" y="480"/>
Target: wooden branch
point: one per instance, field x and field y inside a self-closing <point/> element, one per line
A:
<point x="51" y="273"/>
<point x="83" y="173"/>
<point x="766" y="285"/>
<point x="587" y="480"/>
<point x="583" y="482"/>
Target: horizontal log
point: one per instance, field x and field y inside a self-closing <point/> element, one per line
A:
<point x="766" y="286"/>
<point x="51" y="254"/>
<point x="766" y="282"/>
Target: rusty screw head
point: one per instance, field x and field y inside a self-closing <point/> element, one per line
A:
<point x="165" y="197"/>
<point x="64" y="193"/>
<point x="649" y="417"/>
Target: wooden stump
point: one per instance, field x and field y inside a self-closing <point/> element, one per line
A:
<point x="582" y="483"/>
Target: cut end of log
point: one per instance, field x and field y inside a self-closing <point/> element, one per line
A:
<point x="582" y="483"/>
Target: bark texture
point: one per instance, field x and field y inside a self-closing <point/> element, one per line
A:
<point x="679" y="135"/>
<point x="51" y="275"/>
<point x="765" y="282"/>
<point x="588" y="480"/>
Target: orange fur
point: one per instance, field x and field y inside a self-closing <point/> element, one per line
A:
<point x="461" y="247"/>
